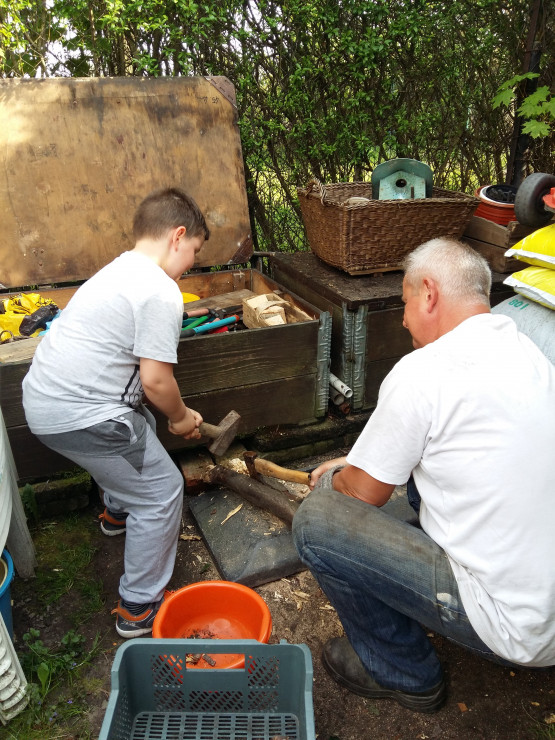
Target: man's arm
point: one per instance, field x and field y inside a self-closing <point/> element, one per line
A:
<point x="161" y="389"/>
<point x="354" y="482"/>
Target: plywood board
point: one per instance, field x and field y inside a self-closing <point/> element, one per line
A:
<point x="78" y="155"/>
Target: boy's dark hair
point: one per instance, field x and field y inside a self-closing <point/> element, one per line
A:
<point x="167" y="209"/>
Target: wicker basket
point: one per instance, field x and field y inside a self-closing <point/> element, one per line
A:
<point x="375" y="236"/>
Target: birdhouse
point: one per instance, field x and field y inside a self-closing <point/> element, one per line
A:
<point x="402" y="179"/>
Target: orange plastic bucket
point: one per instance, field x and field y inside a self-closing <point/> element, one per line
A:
<point x="211" y="610"/>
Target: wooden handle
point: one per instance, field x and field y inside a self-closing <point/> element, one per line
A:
<point x="209" y="430"/>
<point x="266" y="467"/>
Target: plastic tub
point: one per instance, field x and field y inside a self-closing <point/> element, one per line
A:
<point x="214" y="610"/>
<point x="6" y="578"/>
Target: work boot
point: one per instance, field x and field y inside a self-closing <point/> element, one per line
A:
<point x="345" y="667"/>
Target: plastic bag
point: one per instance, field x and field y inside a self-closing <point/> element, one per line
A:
<point x="536" y="283"/>
<point x="25" y="314"/>
<point x="538" y="248"/>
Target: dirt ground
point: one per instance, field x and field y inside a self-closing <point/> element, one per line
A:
<point x="485" y="701"/>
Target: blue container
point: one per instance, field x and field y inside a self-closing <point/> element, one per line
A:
<point x="6" y="578"/>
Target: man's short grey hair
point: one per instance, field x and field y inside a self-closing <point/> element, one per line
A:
<point x="460" y="272"/>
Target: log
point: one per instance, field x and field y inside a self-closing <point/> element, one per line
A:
<point x="256" y="493"/>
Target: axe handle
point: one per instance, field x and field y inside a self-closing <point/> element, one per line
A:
<point x="265" y="467"/>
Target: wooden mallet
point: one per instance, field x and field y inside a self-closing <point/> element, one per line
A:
<point x="221" y="435"/>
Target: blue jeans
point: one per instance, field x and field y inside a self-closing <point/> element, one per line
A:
<point x="385" y="578"/>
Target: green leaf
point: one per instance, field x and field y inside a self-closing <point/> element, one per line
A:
<point x="504" y="97"/>
<point x="43" y="673"/>
<point x="536" y="129"/>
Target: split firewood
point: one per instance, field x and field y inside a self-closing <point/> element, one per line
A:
<point x="254" y="492"/>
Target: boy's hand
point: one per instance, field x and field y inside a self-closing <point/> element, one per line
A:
<point x="187" y="426"/>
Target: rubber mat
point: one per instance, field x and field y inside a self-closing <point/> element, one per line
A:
<point x="251" y="546"/>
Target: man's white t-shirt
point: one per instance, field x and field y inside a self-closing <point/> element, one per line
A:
<point x="472" y="417"/>
<point x="86" y="368"/>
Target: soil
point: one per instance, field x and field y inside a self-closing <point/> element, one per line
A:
<point x="485" y="701"/>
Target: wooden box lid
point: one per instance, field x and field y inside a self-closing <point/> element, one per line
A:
<point x="78" y="155"/>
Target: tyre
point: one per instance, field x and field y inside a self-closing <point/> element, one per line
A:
<point x="529" y="206"/>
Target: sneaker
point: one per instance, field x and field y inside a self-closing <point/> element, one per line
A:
<point x="344" y="666"/>
<point x="135" y="625"/>
<point x="111" y="523"/>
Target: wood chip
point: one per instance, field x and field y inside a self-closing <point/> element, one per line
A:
<point x="462" y="706"/>
<point x="189" y="537"/>
<point x="232" y="513"/>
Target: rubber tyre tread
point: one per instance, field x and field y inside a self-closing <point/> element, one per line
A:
<point x="529" y="207"/>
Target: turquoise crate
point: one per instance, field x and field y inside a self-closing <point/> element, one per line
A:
<point x="157" y="695"/>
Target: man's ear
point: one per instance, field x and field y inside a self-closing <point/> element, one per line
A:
<point x="431" y="293"/>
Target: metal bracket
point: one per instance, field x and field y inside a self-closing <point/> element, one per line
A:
<point x="224" y="86"/>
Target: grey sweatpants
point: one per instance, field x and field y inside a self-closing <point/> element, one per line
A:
<point x="127" y="460"/>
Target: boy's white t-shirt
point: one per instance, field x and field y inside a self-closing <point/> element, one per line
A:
<point x="86" y="368"/>
<point x="472" y="416"/>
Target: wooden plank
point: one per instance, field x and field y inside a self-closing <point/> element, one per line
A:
<point x="385" y="335"/>
<point x="223" y="300"/>
<point x="375" y="373"/>
<point x="260" y="405"/>
<point x="19" y="351"/>
<point x="210" y="284"/>
<point x="495" y="256"/>
<point x="33" y="460"/>
<point x="307" y="272"/>
<point x="210" y="363"/>
<point x="488" y="231"/>
<point x="11" y="377"/>
<point x="269" y="403"/>
<point x="78" y="155"/>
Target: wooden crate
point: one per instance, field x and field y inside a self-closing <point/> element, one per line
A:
<point x="367" y="335"/>
<point x="492" y="240"/>
<point x="77" y="157"/>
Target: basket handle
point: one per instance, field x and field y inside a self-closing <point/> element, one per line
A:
<point x="315" y="184"/>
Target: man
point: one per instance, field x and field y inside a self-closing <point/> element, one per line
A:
<point x="467" y="421"/>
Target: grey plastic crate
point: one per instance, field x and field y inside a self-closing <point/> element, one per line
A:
<point x="156" y="695"/>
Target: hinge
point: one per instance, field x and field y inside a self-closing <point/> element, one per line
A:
<point x="243" y="253"/>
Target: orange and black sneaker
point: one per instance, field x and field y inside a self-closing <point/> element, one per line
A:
<point x="131" y="624"/>
<point x="113" y="523"/>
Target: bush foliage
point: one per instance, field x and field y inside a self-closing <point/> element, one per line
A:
<point x="325" y="88"/>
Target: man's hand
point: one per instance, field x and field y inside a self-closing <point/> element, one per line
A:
<point x="187" y="425"/>
<point x="321" y="469"/>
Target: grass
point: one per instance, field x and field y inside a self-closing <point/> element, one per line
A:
<point x="60" y="688"/>
<point x="65" y="553"/>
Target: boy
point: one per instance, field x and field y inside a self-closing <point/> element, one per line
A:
<point x="115" y="341"/>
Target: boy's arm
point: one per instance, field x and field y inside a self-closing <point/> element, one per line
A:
<point x="161" y="389"/>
